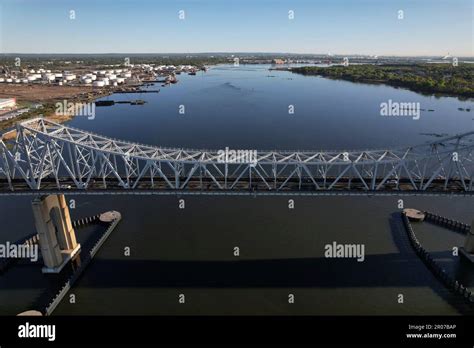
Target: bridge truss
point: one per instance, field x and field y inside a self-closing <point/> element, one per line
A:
<point x="46" y="156"/>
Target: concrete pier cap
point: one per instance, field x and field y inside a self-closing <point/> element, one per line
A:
<point x="110" y="216"/>
<point x="30" y="313"/>
<point x="414" y="214"/>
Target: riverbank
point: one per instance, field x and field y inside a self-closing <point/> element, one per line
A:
<point x="41" y="100"/>
<point x="438" y="79"/>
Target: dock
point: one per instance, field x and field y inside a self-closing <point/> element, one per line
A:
<point x="139" y="91"/>
<point x="112" y="102"/>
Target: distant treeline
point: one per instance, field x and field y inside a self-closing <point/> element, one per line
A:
<point x="444" y="79"/>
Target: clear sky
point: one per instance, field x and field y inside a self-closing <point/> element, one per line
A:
<point x="429" y="27"/>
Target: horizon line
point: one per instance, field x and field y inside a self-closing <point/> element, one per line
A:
<point x="236" y="52"/>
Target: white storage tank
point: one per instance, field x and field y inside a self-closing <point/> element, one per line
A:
<point x="98" y="83"/>
<point x="49" y="77"/>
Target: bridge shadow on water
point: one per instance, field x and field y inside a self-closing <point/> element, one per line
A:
<point x="387" y="270"/>
<point x="397" y="270"/>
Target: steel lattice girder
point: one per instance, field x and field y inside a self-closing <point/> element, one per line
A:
<point x="45" y="149"/>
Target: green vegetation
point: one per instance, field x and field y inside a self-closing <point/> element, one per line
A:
<point x="443" y="79"/>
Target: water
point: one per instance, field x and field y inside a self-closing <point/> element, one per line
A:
<point x="191" y="251"/>
<point x="243" y="107"/>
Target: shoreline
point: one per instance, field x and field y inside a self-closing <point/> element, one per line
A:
<point x="416" y="78"/>
<point x="47" y="110"/>
<point x="41" y="99"/>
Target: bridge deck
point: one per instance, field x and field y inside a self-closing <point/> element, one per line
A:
<point x="207" y="186"/>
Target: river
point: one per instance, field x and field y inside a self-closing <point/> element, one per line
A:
<point x="190" y="251"/>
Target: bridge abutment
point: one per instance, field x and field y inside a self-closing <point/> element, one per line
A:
<point x="57" y="238"/>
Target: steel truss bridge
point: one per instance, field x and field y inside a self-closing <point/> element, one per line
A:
<point x="48" y="158"/>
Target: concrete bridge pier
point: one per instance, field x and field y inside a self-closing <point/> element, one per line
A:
<point x="57" y="238"/>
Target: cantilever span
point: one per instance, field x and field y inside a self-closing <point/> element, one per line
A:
<point x="49" y="157"/>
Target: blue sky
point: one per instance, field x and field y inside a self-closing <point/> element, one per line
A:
<point x="429" y="27"/>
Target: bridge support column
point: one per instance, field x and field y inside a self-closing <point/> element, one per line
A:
<point x="57" y="238"/>
<point x="468" y="250"/>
